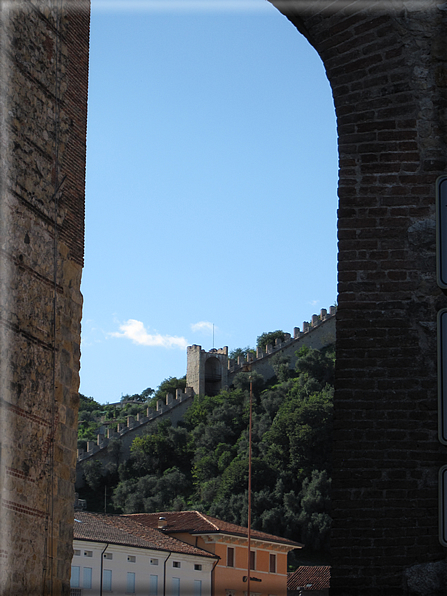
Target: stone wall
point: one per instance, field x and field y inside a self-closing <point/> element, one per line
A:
<point x="44" y="54"/>
<point x="386" y="62"/>
<point x="317" y="334"/>
<point x="388" y="72"/>
<point x="173" y="409"/>
<point x="197" y="367"/>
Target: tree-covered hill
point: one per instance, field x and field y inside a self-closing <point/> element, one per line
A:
<point x="203" y="463"/>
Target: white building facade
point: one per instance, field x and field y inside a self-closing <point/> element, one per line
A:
<point x="123" y="562"/>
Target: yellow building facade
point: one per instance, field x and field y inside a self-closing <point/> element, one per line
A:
<point x="229" y="542"/>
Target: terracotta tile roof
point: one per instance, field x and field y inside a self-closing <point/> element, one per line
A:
<point x="195" y="522"/>
<point x="318" y="576"/>
<point x="117" y="529"/>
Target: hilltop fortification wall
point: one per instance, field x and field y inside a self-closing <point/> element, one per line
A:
<point x="386" y="63"/>
<point x="172" y="408"/>
<point x="207" y="372"/>
<point x="318" y="333"/>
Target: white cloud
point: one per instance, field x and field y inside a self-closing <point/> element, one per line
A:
<point x="136" y="331"/>
<point x="314" y="302"/>
<point x="203" y="326"/>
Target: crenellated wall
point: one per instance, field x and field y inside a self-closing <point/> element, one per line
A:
<point x="317" y="334"/>
<point x="387" y="66"/>
<point x="173" y="409"/>
<point x="206" y="372"/>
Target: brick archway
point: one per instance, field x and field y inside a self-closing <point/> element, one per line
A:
<point x="388" y="75"/>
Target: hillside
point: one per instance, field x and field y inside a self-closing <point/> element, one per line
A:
<point x="203" y="462"/>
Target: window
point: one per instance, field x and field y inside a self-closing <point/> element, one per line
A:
<point x="88" y="553"/>
<point x="230" y="556"/>
<point x="197" y="567"/>
<point x="176" y="564"/>
<point x="154" y="561"/>
<point x="108" y="556"/>
<point x="75" y="577"/>
<point x="272" y="563"/>
<point x="130" y="584"/>
<point x="252" y="559"/>
<point x="77" y="553"/>
<point x="197" y="587"/>
<point x="175" y="586"/>
<point x="131" y="559"/>
<point x="107" y="580"/>
<point x="153" y="585"/>
<point x="87" y="578"/>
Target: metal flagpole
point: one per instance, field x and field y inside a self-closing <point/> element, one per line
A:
<point x="249" y="488"/>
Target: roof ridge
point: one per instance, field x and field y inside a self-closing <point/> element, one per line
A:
<point x="207" y="520"/>
<point x="302" y="568"/>
<point x="139" y="534"/>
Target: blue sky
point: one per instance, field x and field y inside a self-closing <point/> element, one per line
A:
<point x="211" y="189"/>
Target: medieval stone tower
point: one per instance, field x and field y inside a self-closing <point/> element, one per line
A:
<point x="207" y="372"/>
<point x="387" y="65"/>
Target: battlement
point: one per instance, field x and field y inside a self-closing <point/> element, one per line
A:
<point x="196" y="348"/>
<point x="235" y="366"/>
<point x="213" y="370"/>
<point x="206" y="372"/>
<point x="135" y="423"/>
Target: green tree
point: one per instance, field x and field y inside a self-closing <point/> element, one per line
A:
<point x="314" y="519"/>
<point x="130" y="398"/>
<point x="299" y="439"/>
<point x="203" y="463"/>
<point x="147" y="393"/>
<point x="234" y="354"/>
<point x="155" y="451"/>
<point x="87" y="431"/>
<point x="242" y="381"/>
<point x="205" y="406"/>
<point x="235" y="477"/>
<point x="151" y="492"/>
<point x="92" y="473"/>
<point x="87" y="403"/>
<point x="269" y="338"/>
<point x="150" y="452"/>
<point x="169" y="385"/>
<point x="316" y="364"/>
<point x="281" y="367"/>
<point x="85" y="416"/>
<point x="272" y="399"/>
<point x="114" y="450"/>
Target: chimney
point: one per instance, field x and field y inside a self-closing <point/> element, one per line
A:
<point x="162" y="524"/>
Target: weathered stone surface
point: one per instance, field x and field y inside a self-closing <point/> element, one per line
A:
<point x="386" y="65"/>
<point x="43" y="127"/>
<point x="429" y="579"/>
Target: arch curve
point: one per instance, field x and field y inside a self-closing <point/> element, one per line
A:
<point x="384" y="69"/>
<point x="387" y="70"/>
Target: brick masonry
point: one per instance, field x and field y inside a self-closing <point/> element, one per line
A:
<point x="388" y="74"/>
<point x="389" y="77"/>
